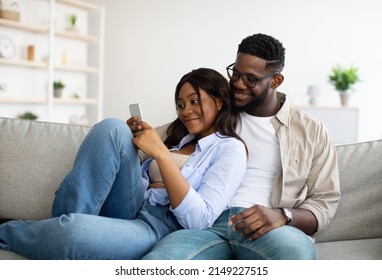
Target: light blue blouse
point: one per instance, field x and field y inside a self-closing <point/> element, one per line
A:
<point x="214" y="172"/>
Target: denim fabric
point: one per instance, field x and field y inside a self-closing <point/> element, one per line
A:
<point x="220" y="242"/>
<point x="97" y="188"/>
<point x="108" y="183"/>
<point x="83" y="236"/>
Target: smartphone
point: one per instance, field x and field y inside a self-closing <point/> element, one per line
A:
<point x="136" y="111"/>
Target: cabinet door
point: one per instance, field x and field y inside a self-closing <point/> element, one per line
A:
<point x="341" y="122"/>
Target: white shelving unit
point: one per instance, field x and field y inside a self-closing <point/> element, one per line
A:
<point x="62" y="55"/>
<point x="340" y="121"/>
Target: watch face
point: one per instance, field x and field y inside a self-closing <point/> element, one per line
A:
<point x="7" y="47"/>
<point x="288" y="214"/>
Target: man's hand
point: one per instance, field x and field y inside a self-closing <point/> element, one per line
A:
<point x="257" y="220"/>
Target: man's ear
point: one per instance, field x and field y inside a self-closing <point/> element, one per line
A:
<point x="277" y="80"/>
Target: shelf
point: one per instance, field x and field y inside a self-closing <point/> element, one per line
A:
<point x="22" y="26"/>
<point x="23" y="63"/>
<point x="77" y="36"/>
<point x="39" y="29"/>
<point x="79" y="4"/>
<point x="86" y="46"/>
<point x="13" y="100"/>
<point x="43" y="65"/>
<point x="42" y="101"/>
<point x="75" y="101"/>
<point x="82" y="69"/>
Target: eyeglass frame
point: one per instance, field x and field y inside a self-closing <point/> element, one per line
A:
<point x="245" y="80"/>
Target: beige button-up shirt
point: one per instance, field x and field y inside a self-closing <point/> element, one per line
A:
<point x="308" y="177"/>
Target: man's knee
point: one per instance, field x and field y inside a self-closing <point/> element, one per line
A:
<point x="189" y="244"/>
<point x="283" y="243"/>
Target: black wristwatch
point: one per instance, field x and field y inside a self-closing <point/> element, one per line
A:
<point x="288" y="214"/>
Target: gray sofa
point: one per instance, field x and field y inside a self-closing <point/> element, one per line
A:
<point x="35" y="157"/>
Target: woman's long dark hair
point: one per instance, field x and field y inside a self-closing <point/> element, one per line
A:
<point x="215" y="85"/>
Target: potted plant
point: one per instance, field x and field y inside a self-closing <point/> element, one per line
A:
<point x="58" y="86"/>
<point x="28" y="116"/>
<point x="72" y="23"/>
<point x="343" y="80"/>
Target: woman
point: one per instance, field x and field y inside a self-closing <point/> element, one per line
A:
<point x="111" y="207"/>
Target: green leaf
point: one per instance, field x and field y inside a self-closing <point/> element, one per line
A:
<point x="344" y="78"/>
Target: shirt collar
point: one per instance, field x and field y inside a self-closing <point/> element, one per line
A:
<point x="283" y="114"/>
<point x="203" y="143"/>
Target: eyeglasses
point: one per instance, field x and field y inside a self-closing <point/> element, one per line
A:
<point x="248" y="79"/>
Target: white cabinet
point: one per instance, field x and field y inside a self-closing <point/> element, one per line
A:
<point x="341" y="122"/>
<point x="73" y="56"/>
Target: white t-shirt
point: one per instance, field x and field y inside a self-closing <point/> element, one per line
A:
<point x="264" y="161"/>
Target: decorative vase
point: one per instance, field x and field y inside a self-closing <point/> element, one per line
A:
<point x="344" y="98"/>
<point x="313" y="92"/>
<point x="57" y="92"/>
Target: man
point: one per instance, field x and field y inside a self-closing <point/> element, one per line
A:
<point x="291" y="190"/>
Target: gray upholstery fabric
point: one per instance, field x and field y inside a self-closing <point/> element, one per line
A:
<point x="364" y="249"/>
<point x="35" y="157"/>
<point x="359" y="214"/>
<point x="8" y="255"/>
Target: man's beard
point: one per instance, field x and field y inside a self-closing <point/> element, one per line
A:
<point x="255" y="102"/>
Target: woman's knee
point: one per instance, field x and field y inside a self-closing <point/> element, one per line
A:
<point x="71" y="228"/>
<point x="113" y="125"/>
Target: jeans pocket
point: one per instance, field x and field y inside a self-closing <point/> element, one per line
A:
<point x="164" y="214"/>
<point x="171" y="221"/>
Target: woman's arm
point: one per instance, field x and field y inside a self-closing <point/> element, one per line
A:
<point x="214" y="180"/>
<point x="150" y="143"/>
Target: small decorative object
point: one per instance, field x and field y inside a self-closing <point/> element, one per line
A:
<point x="7" y="47"/>
<point x="28" y="116"/>
<point x="65" y="58"/>
<point x="72" y="23"/>
<point x="313" y="92"/>
<point x="343" y="80"/>
<point x="30" y="53"/>
<point x="10" y="11"/>
<point x="2" y="87"/>
<point x="58" y="86"/>
<point x="77" y="94"/>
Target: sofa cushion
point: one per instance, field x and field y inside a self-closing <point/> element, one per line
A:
<point x="8" y="255"/>
<point x="364" y="249"/>
<point x="34" y="158"/>
<point x="359" y="212"/>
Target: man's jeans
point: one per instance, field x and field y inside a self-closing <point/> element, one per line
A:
<point x="99" y="211"/>
<point x="221" y="242"/>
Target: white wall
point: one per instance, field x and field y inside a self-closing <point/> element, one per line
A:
<point x="150" y="44"/>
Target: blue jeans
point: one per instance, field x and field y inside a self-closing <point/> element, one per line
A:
<point x="220" y="242"/>
<point x="99" y="211"/>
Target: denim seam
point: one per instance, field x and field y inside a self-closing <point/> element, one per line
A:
<point x="133" y="202"/>
<point x="203" y="248"/>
